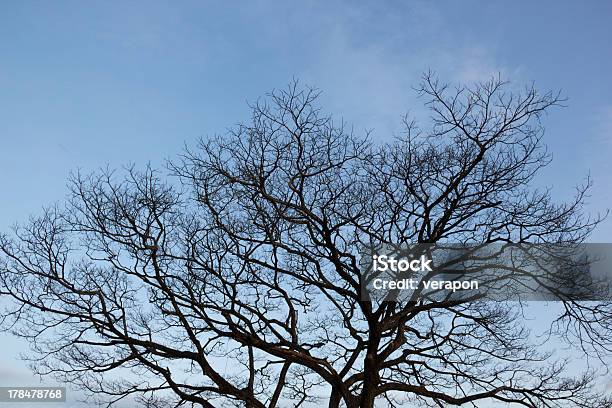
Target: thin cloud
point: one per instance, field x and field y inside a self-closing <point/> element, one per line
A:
<point x="372" y="76"/>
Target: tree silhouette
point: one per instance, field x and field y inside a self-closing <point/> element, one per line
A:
<point x="238" y="281"/>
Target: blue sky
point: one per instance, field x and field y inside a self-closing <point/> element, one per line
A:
<point x="86" y="84"/>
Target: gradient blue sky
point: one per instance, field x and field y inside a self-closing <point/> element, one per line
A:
<point x="86" y="84"/>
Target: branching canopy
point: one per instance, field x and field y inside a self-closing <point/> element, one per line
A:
<point x="238" y="281"/>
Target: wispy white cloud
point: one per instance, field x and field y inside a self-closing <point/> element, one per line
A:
<point x="372" y="76"/>
<point x="477" y="63"/>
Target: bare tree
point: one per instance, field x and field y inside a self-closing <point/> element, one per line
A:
<point x="239" y="281"/>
